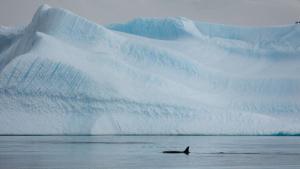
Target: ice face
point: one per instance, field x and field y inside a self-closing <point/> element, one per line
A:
<point x="159" y="28"/>
<point x="63" y="74"/>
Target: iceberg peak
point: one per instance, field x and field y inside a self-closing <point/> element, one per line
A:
<point x="64" y="24"/>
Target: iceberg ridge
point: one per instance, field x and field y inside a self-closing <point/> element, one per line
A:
<point x="159" y="28"/>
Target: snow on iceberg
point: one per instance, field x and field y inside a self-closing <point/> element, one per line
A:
<point x="63" y="74"/>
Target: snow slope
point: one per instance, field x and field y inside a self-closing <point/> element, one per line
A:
<point x="63" y="74"/>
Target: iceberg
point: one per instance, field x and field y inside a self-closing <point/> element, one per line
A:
<point x="63" y="74"/>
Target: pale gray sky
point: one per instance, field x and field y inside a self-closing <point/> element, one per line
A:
<point x="240" y="12"/>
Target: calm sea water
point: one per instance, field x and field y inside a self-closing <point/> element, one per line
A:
<point x="137" y="152"/>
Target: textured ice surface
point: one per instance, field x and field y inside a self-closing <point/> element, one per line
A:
<point x="63" y="74"/>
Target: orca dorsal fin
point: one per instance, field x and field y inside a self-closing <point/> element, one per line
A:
<point x="187" y="150"/>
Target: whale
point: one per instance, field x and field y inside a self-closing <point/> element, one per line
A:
<point x="186" y="151"/>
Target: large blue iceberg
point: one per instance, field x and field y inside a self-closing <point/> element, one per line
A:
<point x="63" y="74"/>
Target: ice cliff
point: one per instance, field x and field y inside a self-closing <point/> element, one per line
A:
<point x="63" y="74"/>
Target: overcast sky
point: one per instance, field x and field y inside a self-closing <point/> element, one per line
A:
<point x="240" y="12"/>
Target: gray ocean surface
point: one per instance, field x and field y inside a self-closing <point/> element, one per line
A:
<point x="138" y="152"/>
